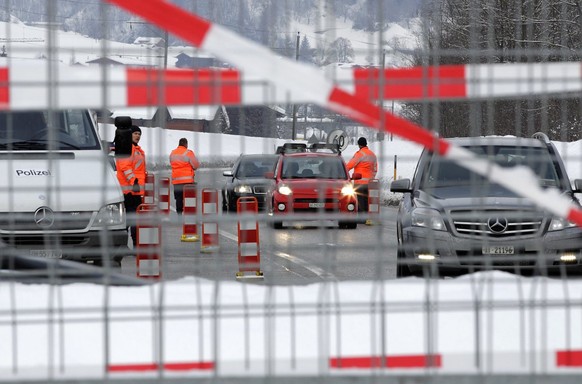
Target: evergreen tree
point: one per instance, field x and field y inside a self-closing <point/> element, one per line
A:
<point x="305" y="50"/>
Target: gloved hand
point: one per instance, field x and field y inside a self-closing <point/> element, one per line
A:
<point x="135" y="186"/>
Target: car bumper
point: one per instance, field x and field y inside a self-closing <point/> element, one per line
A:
<point x="91" y="245"/>
<point x="422" y="247"/>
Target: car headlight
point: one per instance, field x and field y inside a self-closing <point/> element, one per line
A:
<point x="243" y="189"/>
<point x="348" y="190"/>
<point x="284" y="190"/>
<point x="109" y="215"/>
<point x="428" y="218"/>
<point x="558" y="223"/>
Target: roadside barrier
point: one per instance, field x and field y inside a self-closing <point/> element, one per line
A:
<point x="164" y="203"/>
<point x="189" y="219"/>
<point x="373" y="202"/>
<point x="149" y="196"/>
<point x="209" y="228"/>
<point x="149" y="242"/>
<point x="249" y="253"/>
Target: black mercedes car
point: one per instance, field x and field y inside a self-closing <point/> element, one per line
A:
<point x="248" y="179"/>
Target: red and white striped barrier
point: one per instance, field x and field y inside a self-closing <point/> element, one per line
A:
<point x="149" y="242"/>
<point x="190" y="223"/>
<point x="21" y="85"/>
<point x="149" y="196"/>
<point x="300" y="81"/>
<point x="164" y="196"/>
<point x="373" y="202"/>
<point x="249" y="251"/>
<point x="209" y="228"/>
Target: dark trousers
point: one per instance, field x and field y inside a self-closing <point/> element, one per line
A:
<point x="362" y="190"/>
<point x="179" y="197"/>
<point x="131" y="204"/>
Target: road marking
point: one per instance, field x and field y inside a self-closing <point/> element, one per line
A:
<point x="315" y="270"/>
<point x="321" y="273"/>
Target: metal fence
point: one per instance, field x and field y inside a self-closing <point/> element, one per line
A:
<point x="463" y="268"/>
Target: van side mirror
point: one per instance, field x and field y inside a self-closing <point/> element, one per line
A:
<point x="123" y="140"/>
<point x="577" y="186"/>
<point x="269" y="175"/>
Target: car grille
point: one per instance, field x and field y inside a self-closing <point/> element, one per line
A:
<point x="24" y="221"/>
<point x="48" y="241"/>
<point x="497" y="224"/>
<point x="260" y="190"/>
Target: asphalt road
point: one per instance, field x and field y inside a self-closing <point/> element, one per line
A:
<point x="297" y="254"/>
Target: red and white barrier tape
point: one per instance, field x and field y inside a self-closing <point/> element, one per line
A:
<point x="27" y="85"/>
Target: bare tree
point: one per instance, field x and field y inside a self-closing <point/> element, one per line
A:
<point x="501" y="31"/>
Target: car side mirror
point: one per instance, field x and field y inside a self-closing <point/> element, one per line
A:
<point x="357" y="176"/>
<point x="123" y="141"/>
<point x="577" y="186"/>
<point x="270" y="175"/>
<point x="402" y="186"/>
<point x="227" y="173"/>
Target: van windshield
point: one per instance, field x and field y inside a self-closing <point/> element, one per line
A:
<point x="42" y="130"/>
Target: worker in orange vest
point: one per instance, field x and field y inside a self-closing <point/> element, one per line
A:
<point x="184" y="164"/>
<point x="365" y="163"/>
<point x="131" y="173"/>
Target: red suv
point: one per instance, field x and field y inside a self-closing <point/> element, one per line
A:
<point x="310" y="181"/>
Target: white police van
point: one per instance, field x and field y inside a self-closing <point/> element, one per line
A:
<point x="59" y="196"/>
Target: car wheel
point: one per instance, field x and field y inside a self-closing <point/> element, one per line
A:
<point x="114" y="263"/>
<point x="402" y="269"/>
<point x="348" y="224"/>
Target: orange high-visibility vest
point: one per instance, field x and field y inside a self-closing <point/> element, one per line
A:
<point x="131" y="168"/>
<point x="365" y="163"/>
<point x="184" y="164"/>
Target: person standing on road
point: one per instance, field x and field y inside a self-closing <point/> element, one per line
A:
<point x="184" y="165"/>
<point x="365" y="163"/>
<point x="131" y="172"/>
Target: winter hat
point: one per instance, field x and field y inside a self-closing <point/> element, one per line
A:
<point x="135" y="128"/>
<point x="362" y="142"/>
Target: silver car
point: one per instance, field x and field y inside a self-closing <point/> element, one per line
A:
<point x="452" y="221"/>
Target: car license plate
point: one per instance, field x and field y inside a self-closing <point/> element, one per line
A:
<point x="316" y="205"/>
<point x="48" y="253"/>
<point x="498" y="250"/>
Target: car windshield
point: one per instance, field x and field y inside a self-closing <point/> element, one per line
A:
<point x="446" y="173"/>
<point x="38" y="130"/>
<point x="255" y="167"/>
<point x="313" y="168"/>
